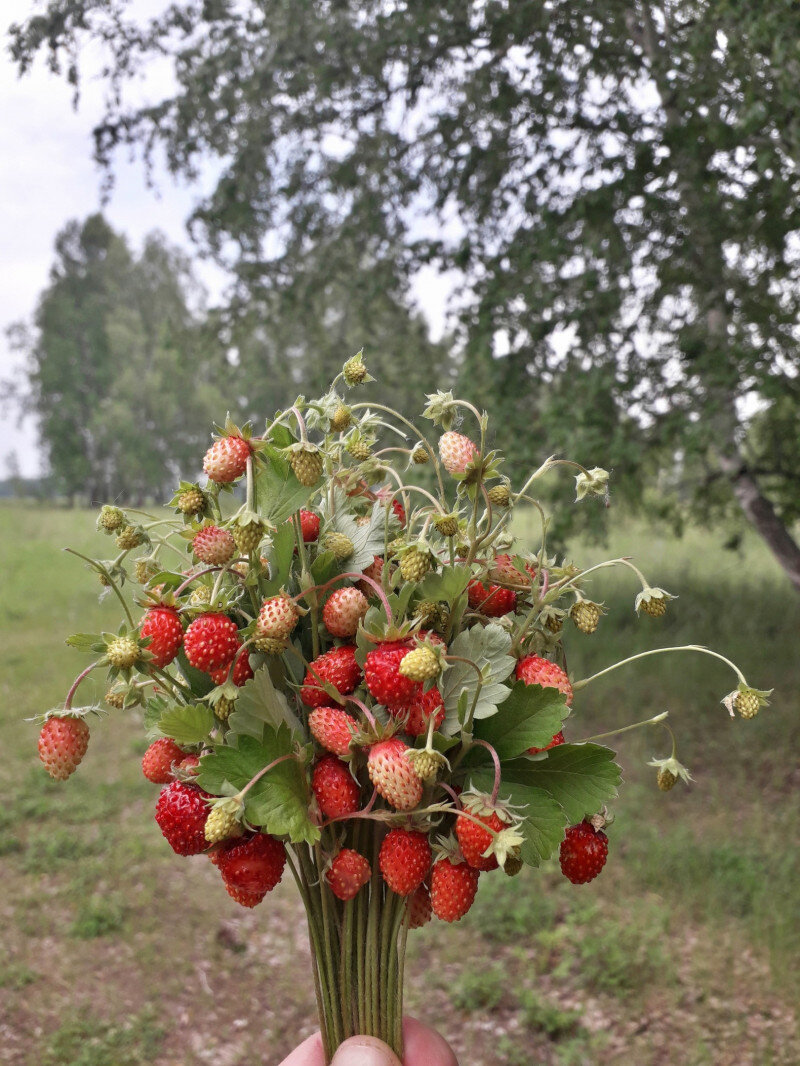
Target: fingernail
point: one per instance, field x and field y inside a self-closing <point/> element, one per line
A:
<point x="362" y="1051"/>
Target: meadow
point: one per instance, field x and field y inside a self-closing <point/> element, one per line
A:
<point x="686" y="948"/>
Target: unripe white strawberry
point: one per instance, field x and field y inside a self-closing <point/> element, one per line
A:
<point x="277" y="618"/>
<point x="393" y="775"/>
<point x="456" y="451"/>
<point x="226" y="459"/>
<point x="343" y="611"/>
<point x="213" y="545"/>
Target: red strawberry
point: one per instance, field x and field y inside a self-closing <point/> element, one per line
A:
<point x="405" y="858"/>
<point x="211" y="641"/>
<point x="343" y="611"/>
<point x="309" y="523"/>
<point x="504" y="565"/>
<point x="393" y="775"/>
<point x="384" y="680"/>
<point x="348" y="873"/>
<point x="583" y="853"/>
<point x="277" y="618"/>
<point x="242" y="671"/>
<point x="419" y="908"/>
<point x="226" y="459"/>
<point x="163" y="626"/>
<point x="246" y="899"/>
<point x="420" y="711"/>
<point x="399" y="512"/>
<point x="62" y="744"/>
<point x="474" y="841"/>
<point x="189" y="764"/>
<point x="554" y="743"/>
<point x="337" y="666"/>
<point x="333" y="785"/>
<point x="181" y="813"/>
<point x="158" y="759"/>
<point x="453" y="889"/>
<point x="253" y="865"/>
<point x="333" y="729"/>
<point x="456" y="451"/>
<point x="493" y="600"/>
<point x="534" y="670"/>
<point x="213" y="545"/>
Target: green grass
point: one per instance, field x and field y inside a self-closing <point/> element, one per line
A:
<point x="103" y="926"/>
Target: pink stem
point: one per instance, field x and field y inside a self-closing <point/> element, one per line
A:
<point x="75" y="683"/>
<point x="364" y="709"/>
<point x="545" y="583"/>
<point x="452" y="793"/>
<point x="261" y="773"/>
<point x="496" y="761"/>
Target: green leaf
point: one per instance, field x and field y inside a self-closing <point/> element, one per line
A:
<point x="529" y="718"/>
<point x="488" y="647"/>
<point x="581" y="777"/>
<point x="368" y="541"/>
<point x="84" y="640"/>
<point x="278" y="802"/>
<point x="448" y="584"/>
<point x="199" y="682"/>
<point x="543" y="818"/>
<point x="324" y="567"/>
<point x="278" y="492"/>
<point x="187" y="724"/>
<point x="279" y="556"/>
<point x="260" y="706"/>
<point x="168" y="578"/>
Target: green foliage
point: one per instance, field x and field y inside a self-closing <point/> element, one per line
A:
<point x="529" y="718"/>
<point x="261" y="708"/>
<point x="187" y="723"/>
<point x="87" y="1041"/>
<point x="488" y="648"/>
<point x="481" y="989"/>
<point x="580" y="777"/>
<point x="98" y="916"/>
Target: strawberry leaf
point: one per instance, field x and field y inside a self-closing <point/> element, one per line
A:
<point x="488" y="647"/>
<point x="189" y="724"/>
<point x="446" y="585"/>
<point x="259" y="707"/>
<point x="543" y="818"/>
<point x="278" y="492"/>
<point x="277" y="802"/>
<point x="529" y="718"/>
<point x="199" y="682"/>
<point x="581" y="777"/>
<point x="279" y="556"/>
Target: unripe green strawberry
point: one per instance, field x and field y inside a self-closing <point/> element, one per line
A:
<point x="200" y="596"/>
<point x="655" y="607"/>
<point x="63" y="741"/>
<point x="666" y="780"/>
<point x="420" y="664"/>
<point x="420" y="455"/>
<point x="143" y="570"/>
<point x="341" y="418"/>
<point x="115" y="699"/>
<point x="359" y="447"/>
<point x="248" y="537"/>
<point x="747" y="704"/>
<point x="191" y="502"/>
<point x="426" y="763"/>
<point x="224" y="821"/>
<point x="354" y="371"/>
<point x="338" y="543"/>
<point x="224" y="708"/>
<point x="306" y="462"/>
<point x="271" y="645"/>
<point x="123" y="653"/>
<point x="430" y="613"/>
<point x="130" y="537"/>
<point x="499" y="496"/>
<point x="111" y="519"/>
<point x="586" y="615"/>
<point x="446" y="524"/>
<point x="415" y="562"/>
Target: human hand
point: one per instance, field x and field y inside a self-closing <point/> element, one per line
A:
<point x="422" y="1047"/>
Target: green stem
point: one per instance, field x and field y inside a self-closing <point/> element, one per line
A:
<point x="112" y="584"/>
<point x="660" y="651"/>
<point x="413" y="428"/>
<point x="625" y="728"/>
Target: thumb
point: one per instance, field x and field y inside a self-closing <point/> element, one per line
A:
<point x="364" y="1051"/>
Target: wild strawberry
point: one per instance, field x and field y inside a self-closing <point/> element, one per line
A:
<point x="419" y="908"/>
<point x="420" y="455"/>
<point x="213" y="545"/>
<point x="348" y="873"/>
<point x="534" y="670"/>
<point x="111" y="518"/>
<point x="226" y="459"/>
<point x="191" y="502"/>
<point x="309" y="523"/>
<point x="472" y="839"/>
<point x="399" y="512"/>
<point x="129" y="537"/>
<point x="354" y="371"/>
<point x="338" y="543"/>
<point x="224" y="820"/>
<point x="359" y="446"/>
<point x="446" y="524"/>
<point x="247" y="537"/>
<point x="384" y="680"/>
<point x="338" y="667"/>
<point x="158" y="760"/>
<point x="143" y="570"/>
<point x="200" y="596"/>
<point x="393" y="775"/>
<point x="499" y="495"/>
<point x="557" y="740"/>
<point x="456" y="451"/>
<point x="211" y="641"/>
<point x="277" y="618"/>
<point x="306" y="463"/>
<point x="253" y="865"/>
<point x="181" y="813"/>
<point x="404" y="859"/>
<point x="491" y="600"/>
<point x="242" y="671"/>
<point x="583" y="852"/>
<point x="123" y="653"/>
<point x="163" y="626"/>
<point x="188" y="765"/>
<point x="333" y="785"/>
<point x="504" y="565"/>
<point x="374" y="572"/>
<point x="343" y="611"/>
<point x="333" y="729"/>
<point x="420" y="664"/>
<point x="245" y="899"/>
<point x="63" y="741"/>
<point x="586" y="615"/>
<point x="341" y="418"/>
<point x="453" y="889"/>
<point x="415" y="562"/>
<point x="420" y="711"/>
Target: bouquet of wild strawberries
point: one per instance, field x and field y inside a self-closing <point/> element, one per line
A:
<point x="360" y="677"/>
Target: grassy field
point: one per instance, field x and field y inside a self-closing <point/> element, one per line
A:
<point x="686" y="949"/>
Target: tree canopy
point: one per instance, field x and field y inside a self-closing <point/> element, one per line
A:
<point x="615" y="187"/>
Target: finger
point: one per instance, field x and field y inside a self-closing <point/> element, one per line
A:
<point x="424" y="1046"/>
<point x="309" y="1053"/>
<point x="364" y="1051"/>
